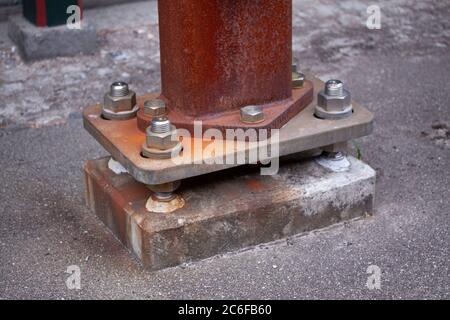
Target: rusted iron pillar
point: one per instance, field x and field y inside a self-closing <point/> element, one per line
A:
<point x="218" y="56"/>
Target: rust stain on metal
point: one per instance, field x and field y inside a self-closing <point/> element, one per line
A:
<point x="255" y="185"/>
<point x="156" y="206"/>
<point x="112" y="202"/>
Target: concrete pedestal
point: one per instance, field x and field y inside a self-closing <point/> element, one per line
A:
<point x="229" y="210"/>
<point x="37" y="43"/>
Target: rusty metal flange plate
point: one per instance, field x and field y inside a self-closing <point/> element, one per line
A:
<point x="276" y="114"/>
<point x="123" y="140"/>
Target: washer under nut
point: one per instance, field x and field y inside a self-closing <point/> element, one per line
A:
<point x="334" y="102"/>
<point x="153" y="153"/>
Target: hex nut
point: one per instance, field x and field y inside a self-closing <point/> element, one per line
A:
<point x="298" y="80"/>
<point x="334" y="102"/>
<point x="163" y="140"/>
<point x="155" y="108"/>
<point x="120" y="104"/>
<point x="252" y="114"/>
<point x="161" y="145"/>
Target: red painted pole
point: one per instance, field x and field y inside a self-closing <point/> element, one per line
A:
<point x="41" y="13"/>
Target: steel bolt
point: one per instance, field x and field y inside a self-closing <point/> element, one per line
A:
<point x="252" y="114"/>
<point x="155" y="108"/>
<point x="119" y="89"/>
<point x="160" y="125"/>
<point x="119" y="102"/>
<point x="334" y="102"/>
<point x="334" y="88"/>
<point x="164" y="196"/>
<point x="164" y="192"/>
<point x="161" y="140"/>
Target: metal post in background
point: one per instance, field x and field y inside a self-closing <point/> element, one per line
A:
<point x="48" y="13"/>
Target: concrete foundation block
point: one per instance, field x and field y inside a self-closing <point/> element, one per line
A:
<point x="35" y="43"/>
<point x="229" y="210"/>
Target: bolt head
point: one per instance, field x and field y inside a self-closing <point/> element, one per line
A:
<point x="298" y="79"/>
<point x="252" y="114"/>
<point x="155" y="108"/>
<point x="120" y="104"/>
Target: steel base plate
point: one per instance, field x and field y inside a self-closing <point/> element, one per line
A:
<point x="123" y="140"/>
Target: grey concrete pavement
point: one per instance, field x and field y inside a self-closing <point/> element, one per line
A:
<point x="402" y="76"/>
<point x="36" y="43"/>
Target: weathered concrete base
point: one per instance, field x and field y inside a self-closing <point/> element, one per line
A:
<point x="229" y="210"/>
<point x="36" y="43"/>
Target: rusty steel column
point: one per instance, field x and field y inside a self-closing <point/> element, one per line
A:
<point x="218" y="56"/>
